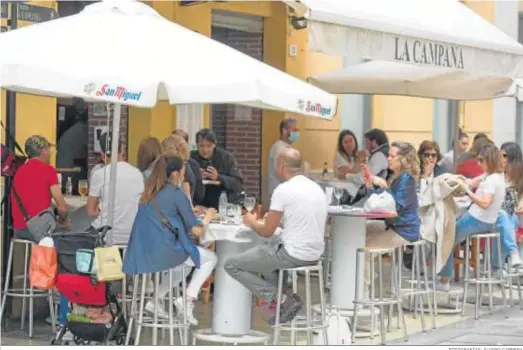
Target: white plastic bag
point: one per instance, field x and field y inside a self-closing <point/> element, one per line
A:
<point x="380" y="203"/>
<point x="338" y="331"/>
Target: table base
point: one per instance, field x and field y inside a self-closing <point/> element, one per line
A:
<point x="363" y="331"/>
<point x="252" y="337"/>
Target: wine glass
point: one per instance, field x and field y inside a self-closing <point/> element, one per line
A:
<point x="83" y="188"/>
<point x="249" y="203"/>
<point x="338" y="192"/>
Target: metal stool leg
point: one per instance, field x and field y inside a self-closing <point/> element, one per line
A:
<point x="382" y="308"/>
<point x="8" y="277"/>
<point x="426" y="284"/>
<point x="322" y="304"/>
<point x="308" y="304"/>
<point x="276" y="336"/>
<point x="140" y="311"/>
<point x="358" y="297"/>
<point x="466" y="288"/>
<point x="134" y="305"/>
<point x="503" y="297"/>
<point x="399" y="297"/>
<point x="26" y="267"/>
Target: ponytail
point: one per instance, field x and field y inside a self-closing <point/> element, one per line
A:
<point x="156" y="180"/>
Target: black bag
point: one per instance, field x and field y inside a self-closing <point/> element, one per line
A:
<point x="10" y="160"/>
<point x="39" y="225"/>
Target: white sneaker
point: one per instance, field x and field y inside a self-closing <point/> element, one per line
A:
<point x="178" y="302"/>
<point x="443" y="287"/>
<point x="149" y="307"/>
<point x="515" y="259"/>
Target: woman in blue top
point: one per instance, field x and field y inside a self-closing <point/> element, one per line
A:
<point x="153" y="247"/>
<point x="404" y="169"/>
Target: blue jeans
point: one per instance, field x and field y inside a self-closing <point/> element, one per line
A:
<point x="64" y="310"/>
<point x="506" y="226"/>
<point x="466" y="226"/>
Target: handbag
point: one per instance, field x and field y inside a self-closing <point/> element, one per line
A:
<point x="164" y="220"/>
<point x="380" y="203"/>
<point x="39" y="225"/>
<point x="43" y="267"/>
<point x="109" y="264"/>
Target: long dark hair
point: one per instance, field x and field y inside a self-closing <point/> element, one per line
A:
<point x="341" y="150"/>
<point x="163" y="167"/>
<point x="515" y="165"/>
<point x="149" y="149"/>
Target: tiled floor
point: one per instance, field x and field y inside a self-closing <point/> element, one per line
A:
<point x="451" y="329"/>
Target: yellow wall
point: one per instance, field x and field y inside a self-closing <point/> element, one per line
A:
<point x="476" y="116"/>
<point x="34" y="114"/>
<point x="403" y="118"/>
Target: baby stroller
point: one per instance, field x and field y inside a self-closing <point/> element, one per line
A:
<point x="96" y="315"/>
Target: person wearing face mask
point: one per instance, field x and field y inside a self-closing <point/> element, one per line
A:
<point x="289" y="133"/>
<point x="220" y="168"/>
<point x="154" y="247"/>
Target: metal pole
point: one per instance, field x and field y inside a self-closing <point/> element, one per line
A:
<point x="454" y="125"/>
<point x="7" y="228"/>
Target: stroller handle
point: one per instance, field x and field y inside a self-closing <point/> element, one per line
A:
<point x="100" y="232"/>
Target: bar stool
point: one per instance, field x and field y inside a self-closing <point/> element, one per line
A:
<point x="517" y="273"/>
<point x="395" y="299"/>
<point x="327" y="261"/>
<point x="311" y="322"/>
<point x="124" y="300"/>
<point x="172" y="322"/>
<point x="27" y="292"/>
<point x="418" y="283"/>
<point x="480" y="279"/>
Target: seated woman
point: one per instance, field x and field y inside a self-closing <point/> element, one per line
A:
<point x="401" y="184"/>
<point x="508" y="222"/>
<point x="429" y="156"/>
<point x="153" y="247"/>
<point x="177" y="146"/>
<point x="486" y="203"/>
<point x="468" y="166"/>
<point x="346" y="160"/>
<point x="148" y="151"/>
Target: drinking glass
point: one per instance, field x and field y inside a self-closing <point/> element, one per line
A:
<point x="249" y="203"/>
<point x="338" y="192"/>
<point x="83" y="188"/>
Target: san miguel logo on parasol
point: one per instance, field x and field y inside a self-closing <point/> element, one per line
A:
<point x="120" y="93"/>
<point x="317" y="108"/>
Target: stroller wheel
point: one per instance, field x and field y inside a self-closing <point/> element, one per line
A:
<point x="77" y="340"/>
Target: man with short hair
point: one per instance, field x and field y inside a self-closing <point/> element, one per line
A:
<point x="300" y="204"/>
<point x="36" y="184"/>
<point x="377" y="144"/>
<point x="129" y="189"/>
<point x="289" y="133"/>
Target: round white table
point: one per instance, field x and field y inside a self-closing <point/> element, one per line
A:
<point x="348" y="235"/>
<point x="232" y="302"/>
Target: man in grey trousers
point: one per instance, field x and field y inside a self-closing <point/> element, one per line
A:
<point x="300" y="205"/>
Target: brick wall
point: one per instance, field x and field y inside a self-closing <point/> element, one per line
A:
<point x="101" y="120"/>
<point x="241" y="137"/>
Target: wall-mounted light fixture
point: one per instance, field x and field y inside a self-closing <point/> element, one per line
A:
<point x="298" y="22"/>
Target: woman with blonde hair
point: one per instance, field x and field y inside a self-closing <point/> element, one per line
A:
<point x="486" y="204"/>
<point x="176" y="145"/>
<point x="155" y="246"/>
<point x="404" y="171"/>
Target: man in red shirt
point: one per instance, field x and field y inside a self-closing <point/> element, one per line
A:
<point x="36" y="184"/>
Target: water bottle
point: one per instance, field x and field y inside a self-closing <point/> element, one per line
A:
<point x="69" y="187"/>
<point x="222" y="204"/>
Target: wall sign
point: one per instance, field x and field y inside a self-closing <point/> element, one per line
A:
<point x="243" y="113"/>
<point x="429" y="53"/>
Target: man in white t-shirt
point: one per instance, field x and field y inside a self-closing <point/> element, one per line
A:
<point x="289" y="133"/>
<point x="129" y="188"/>
<point x="300" y="205"/>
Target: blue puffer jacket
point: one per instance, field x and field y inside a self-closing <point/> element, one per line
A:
<point x="407" y="223"/>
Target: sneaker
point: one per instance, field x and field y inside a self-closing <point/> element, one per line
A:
<point x="515" y="259"/>
<point x="443" y="287"/>
<point x="178" y="302"/>
<point x="504" y="273"/>
<point x="288" y="310"/>
<point x="268" y="307"/>
<point x="149" y="307"/>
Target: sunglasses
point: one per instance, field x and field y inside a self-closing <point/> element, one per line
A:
<point x="504" y="155"/>
<point x="480" y="160"/>
<point x="430" y="155"/>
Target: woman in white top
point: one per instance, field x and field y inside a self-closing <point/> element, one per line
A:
<point x="486" y="204"/>
<point x="346" y="159"/>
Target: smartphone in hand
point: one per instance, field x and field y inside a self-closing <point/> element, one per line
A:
<point x="362" y="156"/>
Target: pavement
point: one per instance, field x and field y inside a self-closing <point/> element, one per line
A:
<point x="493" y="329"/>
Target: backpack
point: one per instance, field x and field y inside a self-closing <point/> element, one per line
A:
<point x="10" y="160"/>
<point x="338" y="331"/>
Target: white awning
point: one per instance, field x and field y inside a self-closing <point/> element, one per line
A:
<point x="391" y="78"/>
<point x="437" y="33"/>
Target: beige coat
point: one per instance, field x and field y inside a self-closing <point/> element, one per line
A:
<point x="438" y="211"/>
